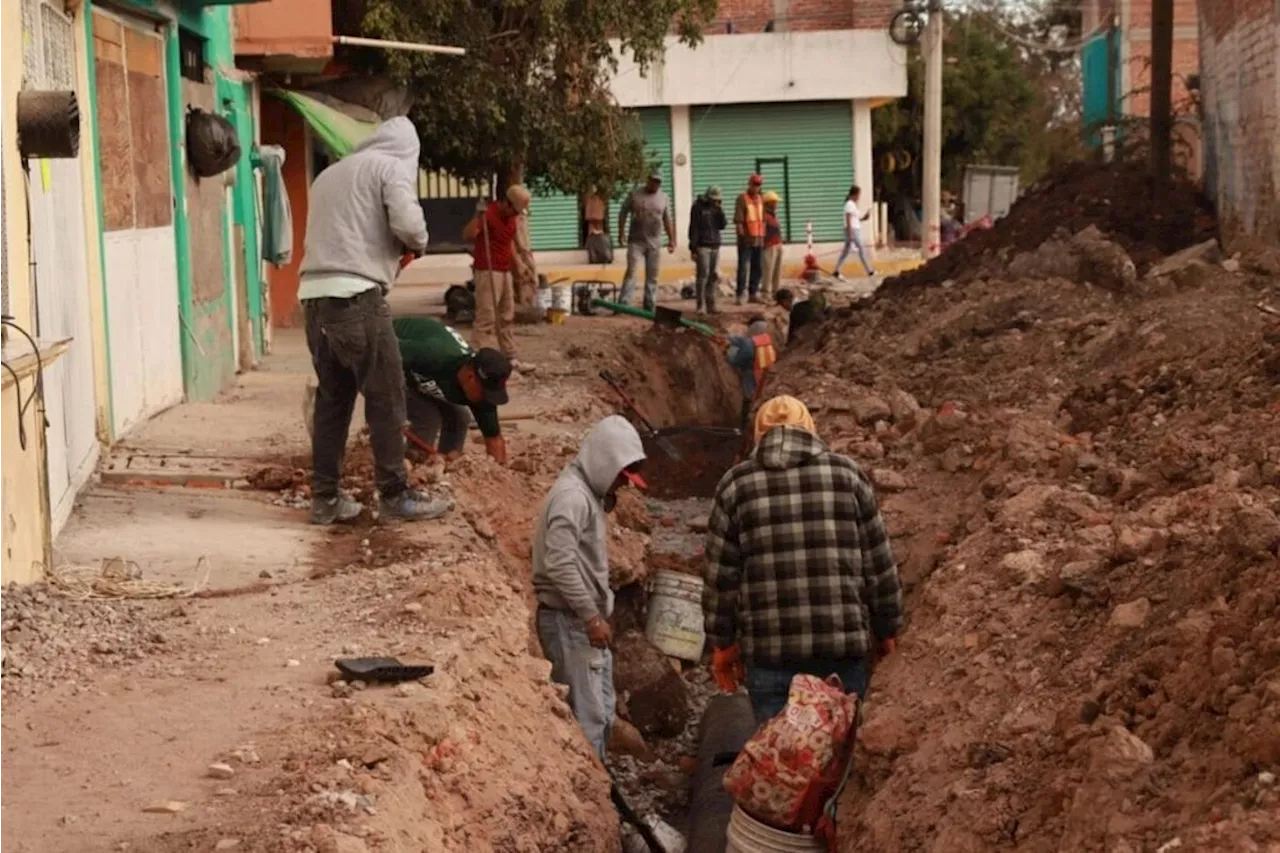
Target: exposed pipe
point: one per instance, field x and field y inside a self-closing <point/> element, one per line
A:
<point x="725" y="728"/>
<point x="357" y="41"/>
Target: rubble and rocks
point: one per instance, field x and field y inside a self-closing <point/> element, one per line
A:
<point x="49" y="639"/>
<point x="1090" y="538"/>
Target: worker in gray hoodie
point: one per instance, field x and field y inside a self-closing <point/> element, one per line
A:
<point x="571" y="571"/>
<point x="363" y="218"/>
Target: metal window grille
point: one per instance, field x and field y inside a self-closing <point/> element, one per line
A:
<point x="58" y="46"/>
<point x="191" y="55"/>
<point x="32" y="60"/>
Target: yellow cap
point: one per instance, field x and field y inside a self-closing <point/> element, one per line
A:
<point x="770" y="197"/>
<point x="783" y="411"/>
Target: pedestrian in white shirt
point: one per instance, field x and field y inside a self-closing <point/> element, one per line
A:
<point x="853" y="219"/>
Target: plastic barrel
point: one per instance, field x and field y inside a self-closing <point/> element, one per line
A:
<point x="675" y="624"/>
<point x="562" y="298"/>
<point x="748" y="835"/>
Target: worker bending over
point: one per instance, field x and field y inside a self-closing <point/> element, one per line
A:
<point x="751" y="356"/>
<point x="799" y="577"/>
<point x="446" y="382"/>
<point x="571" y="571"/>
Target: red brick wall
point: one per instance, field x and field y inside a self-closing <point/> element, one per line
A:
<point x="750" y="16"/>
<point x="1240" y="92"/>
<point x="1186" y="62"/>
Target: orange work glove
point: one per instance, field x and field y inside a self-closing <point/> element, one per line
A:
<point x="406" y="259"/>
<point x="497" y="448"/>
<point x="726" y="666"/>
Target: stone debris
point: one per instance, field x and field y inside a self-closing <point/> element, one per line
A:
<point x="165" y="807"/>
<point x="220" y="771"/>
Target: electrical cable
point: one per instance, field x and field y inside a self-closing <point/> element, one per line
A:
<point x="36" y="389"/>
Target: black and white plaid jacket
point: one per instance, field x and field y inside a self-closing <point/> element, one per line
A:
<point x="798" y="560"/>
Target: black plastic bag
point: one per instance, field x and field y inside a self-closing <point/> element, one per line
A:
<point x="212" y="144"/>
<point x="599" y="249"/>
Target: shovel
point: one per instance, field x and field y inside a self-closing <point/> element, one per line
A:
<point x="668" y="318"/>
<point x="664" y="444"/>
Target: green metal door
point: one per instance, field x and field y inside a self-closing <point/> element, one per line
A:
<point x="655" y="125"/>
<point x="811" y="144"/>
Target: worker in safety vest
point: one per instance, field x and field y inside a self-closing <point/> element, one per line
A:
<point x="749" y="222"/>
<point x="752" y="355"/>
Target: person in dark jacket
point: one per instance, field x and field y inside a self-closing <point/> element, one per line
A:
<point x="706" y="221"/>
<point x="800" y="577"/>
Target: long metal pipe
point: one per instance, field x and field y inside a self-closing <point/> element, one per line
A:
<point x="358" y="41"/>
<point x="725" y="728"/>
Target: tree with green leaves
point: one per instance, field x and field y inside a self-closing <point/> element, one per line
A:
<point x="1010" y="94"/>
<point x="530" y="100"/>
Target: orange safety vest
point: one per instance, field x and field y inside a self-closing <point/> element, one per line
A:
<point x="766" y="355"/>
<point x="754" y="226"/>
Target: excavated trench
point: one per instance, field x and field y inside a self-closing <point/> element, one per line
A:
<point x="682" y="386"/>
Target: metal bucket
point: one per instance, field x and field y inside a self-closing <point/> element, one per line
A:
<point x="748" y="835"/>
<point x="675" y="625"/>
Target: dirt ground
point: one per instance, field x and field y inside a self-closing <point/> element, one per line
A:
<point x="1076" y="443"/>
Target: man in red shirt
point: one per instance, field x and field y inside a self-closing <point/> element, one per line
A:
<point x="494" y="230"/>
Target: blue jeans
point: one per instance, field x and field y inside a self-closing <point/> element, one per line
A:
<point x="750" y="260"/>
<point x="585" y="669"/>
<point x="767" y="686"/>
<point x="637" y="253"/>
<point x="853" y="240"/>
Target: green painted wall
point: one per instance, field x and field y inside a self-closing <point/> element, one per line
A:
<point x="815" y="138"/>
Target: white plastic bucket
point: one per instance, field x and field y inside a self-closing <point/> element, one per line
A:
<point x="675" y="623"/>
<point x="748" y="835"/>
<point x="544" y="299"/>
<point x="561" y="298"/>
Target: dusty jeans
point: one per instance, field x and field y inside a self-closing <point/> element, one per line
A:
<point x="772" y="270"/>
<point x="768" y="686"/>
<point x="495" y="312"/>
<point x="354" y="351"/>
<point x="439" y="423"/>
<point x="587" y="670"/>
<point x="636" y="253"/>
<point x="707" y="279"/>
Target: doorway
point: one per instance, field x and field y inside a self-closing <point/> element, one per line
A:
<point x="777" y="177"/>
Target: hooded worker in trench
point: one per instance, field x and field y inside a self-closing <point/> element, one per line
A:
<point x="751" y="356"/>
<point x="571" y="571"/>
<point x="800" y="577"/>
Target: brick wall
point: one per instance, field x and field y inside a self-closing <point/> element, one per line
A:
<point x="1240" y="91"/>
<point x="752" y="15"/>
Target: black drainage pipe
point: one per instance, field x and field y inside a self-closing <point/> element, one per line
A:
<point x="726" y="726"/>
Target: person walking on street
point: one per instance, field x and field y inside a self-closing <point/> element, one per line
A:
<point x="706" y="221"/>
<point x="748" y="222"/>
<point x="571" y="571"/>
<point x="363" y="219"/>
<point x="772" y="280"/>
<point x="650" y="215"/>
<point x="800" y="577"/>
<point x="446" y="383"/>
<point x="493" y="229"/>
<point x="853" y="219"/>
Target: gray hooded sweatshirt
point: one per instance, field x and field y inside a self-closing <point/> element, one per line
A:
<point x="570" y="546"/>
<point x="363" y="212"/>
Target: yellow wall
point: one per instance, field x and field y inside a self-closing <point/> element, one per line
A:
<point x="24" y="521"/>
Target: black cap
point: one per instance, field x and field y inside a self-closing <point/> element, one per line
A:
<point x="494" y="369"/>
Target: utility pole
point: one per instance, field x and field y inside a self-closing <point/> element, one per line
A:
<point x="931" y="243"/>
<point x="1161" y="91"/>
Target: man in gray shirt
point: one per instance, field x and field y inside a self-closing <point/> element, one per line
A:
<point x="650" y="213"/>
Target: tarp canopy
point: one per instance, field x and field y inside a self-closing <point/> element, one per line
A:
<point x="339" y="132"/>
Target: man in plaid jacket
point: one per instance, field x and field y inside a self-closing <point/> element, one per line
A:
<point x="800" y="577"/>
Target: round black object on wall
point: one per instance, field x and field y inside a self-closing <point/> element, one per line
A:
<point x="212" y="144"/>
<point x="48" y="124"/>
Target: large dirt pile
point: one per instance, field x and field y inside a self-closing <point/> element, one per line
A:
<point x="1119" y="199"/>
<point x="1083" y="486"/>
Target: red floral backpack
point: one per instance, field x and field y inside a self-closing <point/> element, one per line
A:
<point x="787" y="771"/>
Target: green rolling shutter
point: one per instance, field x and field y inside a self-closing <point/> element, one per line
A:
<point x="655" y="125"/>
<point x="554" y="219"/>
<point x="815" y="138"/>
<point x="553" y="223"/>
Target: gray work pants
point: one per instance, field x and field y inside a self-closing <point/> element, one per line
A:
<point x="585" y="669"/>
<point x="636" y="253"/>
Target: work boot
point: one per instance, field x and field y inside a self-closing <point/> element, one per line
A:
<point x="337" y="508"/>
<point x="756" y="300"/>
<point x="737" y="300"/>
<point x="412" y="505"/>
